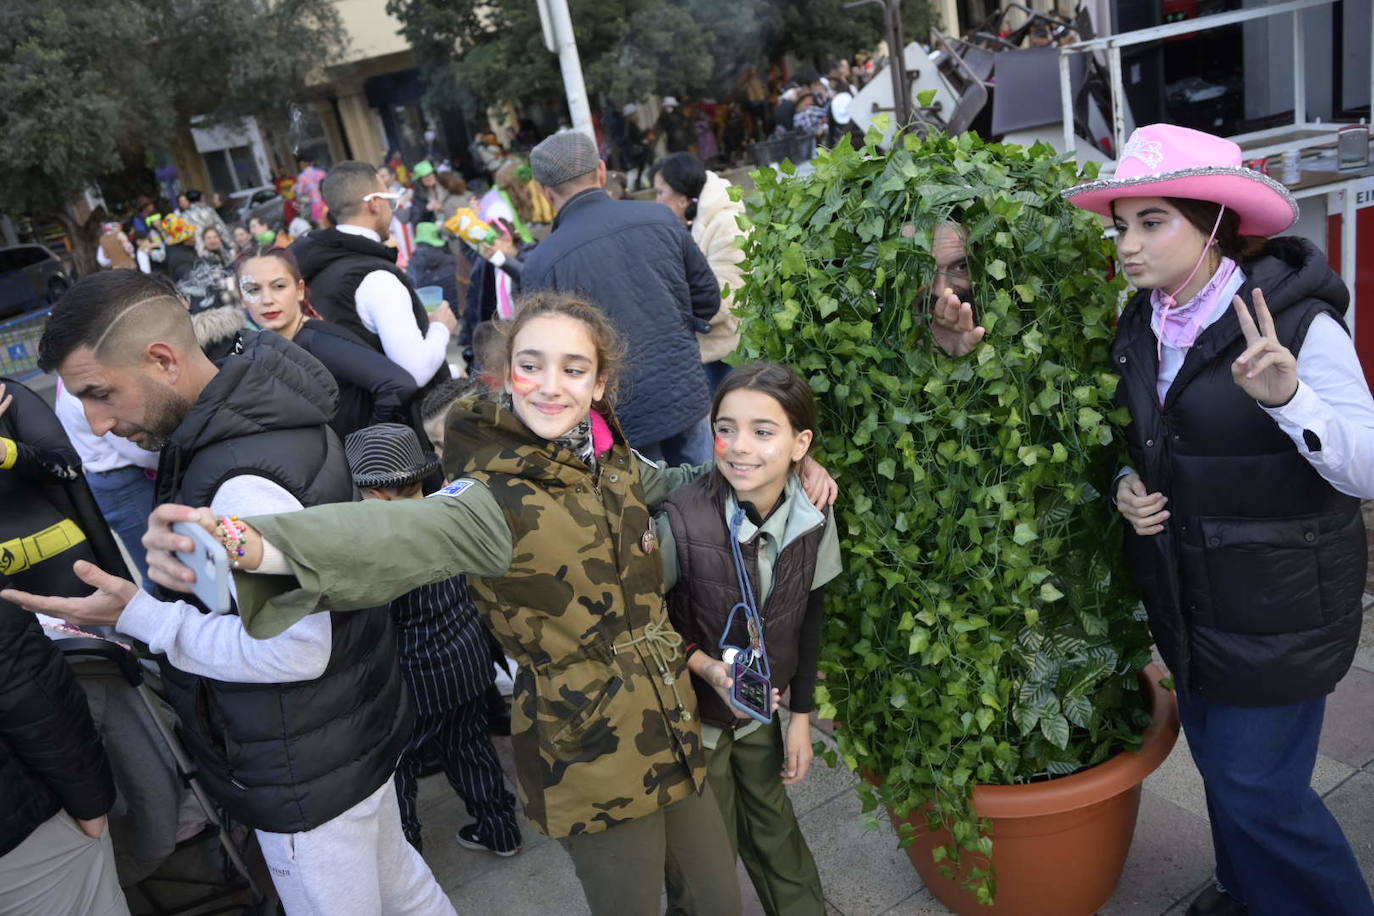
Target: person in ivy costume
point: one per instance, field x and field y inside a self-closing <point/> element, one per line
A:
<point x="1252" y="444"/>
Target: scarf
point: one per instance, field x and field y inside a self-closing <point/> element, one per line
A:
<point x="1180" y="325"/>
<point x="589" y="440"/>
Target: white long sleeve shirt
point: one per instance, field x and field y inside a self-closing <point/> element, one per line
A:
<point x="217" y="645"/>
<point x="384" y="307"/>
<point x="1332" y="402"/>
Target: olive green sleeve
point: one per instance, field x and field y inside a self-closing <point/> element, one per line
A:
<point x="667" y="551"/>
<point x="659" y="481"/>
<point x="346" y="556"/>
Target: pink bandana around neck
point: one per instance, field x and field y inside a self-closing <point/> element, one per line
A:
<point x="1179" y="325"/>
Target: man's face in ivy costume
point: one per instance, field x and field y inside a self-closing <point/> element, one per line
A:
<point x="951" y="262"/>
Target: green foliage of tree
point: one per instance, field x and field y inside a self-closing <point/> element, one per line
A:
<point x="87" y="89"/>
<point x="985" y="630"/>
<point x="475" y="52"/>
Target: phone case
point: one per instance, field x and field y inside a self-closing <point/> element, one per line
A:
<point x="210" y="563"/>
<point x="751" y="693"/>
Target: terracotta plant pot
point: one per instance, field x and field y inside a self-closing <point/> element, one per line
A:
<point x="1058" y="846"/>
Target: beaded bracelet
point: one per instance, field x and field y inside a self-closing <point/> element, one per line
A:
<point x="233" y="534"/>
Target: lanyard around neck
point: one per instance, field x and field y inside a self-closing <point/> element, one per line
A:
<point x="747" y="604"/>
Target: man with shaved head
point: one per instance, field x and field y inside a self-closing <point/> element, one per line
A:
<point x="297" y="735"/>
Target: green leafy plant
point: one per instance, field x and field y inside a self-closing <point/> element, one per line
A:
<point x="985" y="629"/>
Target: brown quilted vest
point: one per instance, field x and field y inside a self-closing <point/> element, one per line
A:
<point x="708" y="587"/>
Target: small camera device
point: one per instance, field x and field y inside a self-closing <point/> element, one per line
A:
<point x="751" y="693"/>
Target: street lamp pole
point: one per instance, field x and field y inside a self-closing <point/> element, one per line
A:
<point x="896" y="56"/>
<point x="559" y="39"/>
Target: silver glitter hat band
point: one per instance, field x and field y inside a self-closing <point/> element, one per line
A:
<point x="1128" y="184"/>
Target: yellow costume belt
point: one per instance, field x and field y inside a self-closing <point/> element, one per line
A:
<point x="20" y="554"/>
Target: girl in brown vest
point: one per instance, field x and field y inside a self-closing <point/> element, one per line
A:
<point x="745" y="557"/>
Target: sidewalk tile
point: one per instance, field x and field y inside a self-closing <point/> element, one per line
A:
<point x="822" y="784"/>
<point x="538" y="881"/>
<point x="1348" y="734"/>
<point x="1171" y="855"/>
<point x="1364" y="655"/>
<point x="920" y="904"/>
<point x="862" y="870"/>
<point x="1351" y="804"/>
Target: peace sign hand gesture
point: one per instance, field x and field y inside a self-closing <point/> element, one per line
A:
<point x="1267" y="370"/>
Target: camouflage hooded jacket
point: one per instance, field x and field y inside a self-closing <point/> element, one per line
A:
<point x="604" y="722"/>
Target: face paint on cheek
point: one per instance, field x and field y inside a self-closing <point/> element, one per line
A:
<point x="721" y="446"/>
<point x="523" y="385"/>
<point x="250" y="291"/>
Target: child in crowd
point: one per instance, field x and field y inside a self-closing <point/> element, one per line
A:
<point x="435" y="406"/>
<point x="445" y="660"/>
<point x="745" y="557"/>
<point x="433" y="413"/>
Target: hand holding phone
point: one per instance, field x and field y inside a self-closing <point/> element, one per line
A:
<point x="210" y="562"/>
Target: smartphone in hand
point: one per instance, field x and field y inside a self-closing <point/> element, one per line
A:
<point x="209" y="561"/>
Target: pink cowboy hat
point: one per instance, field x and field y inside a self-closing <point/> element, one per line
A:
<point x="1162" y="160"/>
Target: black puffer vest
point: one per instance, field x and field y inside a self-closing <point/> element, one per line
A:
<point x="1253" y="588"/>
<point x="708" y="587"/>
<point x="334" y="263"/>
<point x="284" y="757"/>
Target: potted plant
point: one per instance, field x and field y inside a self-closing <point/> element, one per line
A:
<point x="986" y="633"/>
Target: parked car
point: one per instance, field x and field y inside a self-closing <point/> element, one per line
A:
<point x="264" y="203"/>
<point x="31" y="278"/>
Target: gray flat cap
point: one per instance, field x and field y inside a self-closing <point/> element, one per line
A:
<point x="563" y="156"/>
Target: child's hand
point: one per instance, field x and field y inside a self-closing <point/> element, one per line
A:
<point x="817" y="483"/>
<point x="797" y="748"/>
<point x="714" y="672"/>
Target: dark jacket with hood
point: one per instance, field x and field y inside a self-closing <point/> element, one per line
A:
<point x="635" y="260"/>
<point x="372" y="389"/>
<point x="334" y="263"/>
<point x="1253" y="588"/>
<point x="284" y="757"/>
<point x="51" y="758"/>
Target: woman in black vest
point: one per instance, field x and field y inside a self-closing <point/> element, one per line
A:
<point x="1252" y="444"/>
<point x="372" y="389"/>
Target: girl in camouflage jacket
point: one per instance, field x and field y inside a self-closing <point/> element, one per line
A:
<point x="548" y="515"/>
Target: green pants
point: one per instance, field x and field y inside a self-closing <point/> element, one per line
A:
<point x="746" y="775"/>
<point x="623" y="869"/>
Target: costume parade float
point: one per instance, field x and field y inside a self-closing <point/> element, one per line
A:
<point x="986" y="658"/>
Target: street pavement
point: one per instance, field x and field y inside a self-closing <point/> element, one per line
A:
<point x="865" y="874"/>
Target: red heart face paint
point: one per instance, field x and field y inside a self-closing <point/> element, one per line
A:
<point x="523" y="385"/>
<point x="721" y="446"/>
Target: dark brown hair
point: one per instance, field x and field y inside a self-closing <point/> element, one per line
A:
<point x="284" y="255"/>
<point x="781" y="383"/>
<point x="610" y="347"/>
<point x="452" y="182"/>
<point x="1203" y="215"/>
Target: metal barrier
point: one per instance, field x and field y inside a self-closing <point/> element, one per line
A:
<point x="19" y="345"/>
